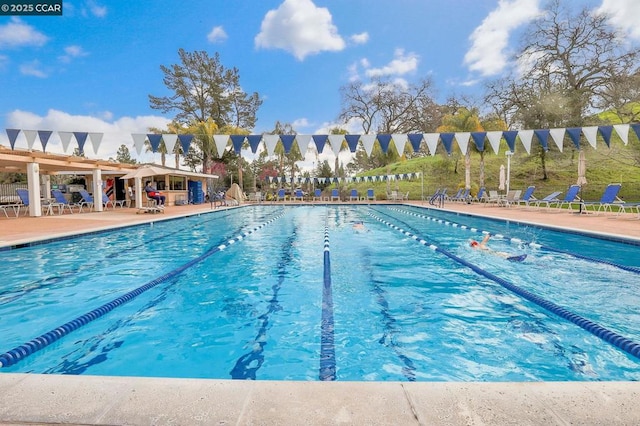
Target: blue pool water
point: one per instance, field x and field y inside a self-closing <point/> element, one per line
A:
<point x="296" y="293"/>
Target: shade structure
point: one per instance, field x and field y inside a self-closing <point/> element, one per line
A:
<point x="582" y="169"/>
<point x="502" y="178"/>
<point x="145" y="171"/>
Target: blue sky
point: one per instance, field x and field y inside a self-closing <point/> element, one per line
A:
<point x="93" y="68"/>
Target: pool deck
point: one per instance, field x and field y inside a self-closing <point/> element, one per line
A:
<point x="96" y="400"/>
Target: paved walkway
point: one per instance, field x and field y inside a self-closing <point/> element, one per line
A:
<point x="57" y="399"/>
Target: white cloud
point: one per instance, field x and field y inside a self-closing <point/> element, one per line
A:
<point x="217" y="34"/>
<point x="400" y="65"/>
<point x="116" y="132"/>
<point x="17" y="34"/>
<point x="623" y="14"/>
<point x="300" y="123"/>
<point x="489" y="41"/>
<point x="361" y="38"/>
<point x="96" y="10"/>
<point x="33" y="69"/>
<point x="72" y="52"/>
<point x="301" y="28"/>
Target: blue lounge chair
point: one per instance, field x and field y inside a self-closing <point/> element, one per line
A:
<point x="317" y="195"/>
<point x="455" y="197"/>
<point x="47" y="206"/>
<point x="106" y="201"/>
<point x="335" y="195"/>
<point x="569" y="199"/>
<point x="281" y="195"/>
<point x="371" y="196"/>
<point x="354" y="195"/>
<point x="298" y="195"/>
<point x="551" y="198"/>
<point x="464" y="196"/>
<point x="61" y="201"/>
<point x="528" y="198"/>
<point x="86" y="201"/>
<point x="608" y="199"/>
<point x="480" y="196"/>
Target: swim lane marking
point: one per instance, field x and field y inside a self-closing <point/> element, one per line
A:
<point x="327" y="343"/>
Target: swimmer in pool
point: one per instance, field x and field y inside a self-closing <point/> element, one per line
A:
<point x="482" y="245"/>
<point x="358" y="226"/>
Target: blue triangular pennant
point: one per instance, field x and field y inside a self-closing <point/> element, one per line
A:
<point x="447" y="141"/>
<point x="606" y="132"/>
<point x="44" y="138"/>
<point x="185" y="142"/>
<point x="320" y="141"/>
<point x="287" y="142"/>
<point x="543" y="137"/>
<point x="81" y="138"/>
<point x="154" y="140"/>
<point x="574" y="134"/>
<point x="478" y="138"/>
<point x="415" y="139"/>
<point x="13" y="135"/>
<point x="383" y="140"/>
<point x="237" y="141"/>
<point x="352" y="142"/>
<point x="254" y="142"/>
<point x="636" y="128"/>
<point x="510" y="137"/>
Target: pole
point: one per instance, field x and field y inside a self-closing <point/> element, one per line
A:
<point x="509" y="154"/>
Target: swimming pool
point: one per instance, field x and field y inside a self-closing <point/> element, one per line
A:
<point x="295" y="293"/>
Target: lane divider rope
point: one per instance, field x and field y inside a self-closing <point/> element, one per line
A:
<point x="20" y="352"/>
<point x="621" y="342"/>
<point x="327" y="343"/>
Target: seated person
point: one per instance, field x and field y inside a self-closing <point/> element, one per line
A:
<point x="155" y="195"/>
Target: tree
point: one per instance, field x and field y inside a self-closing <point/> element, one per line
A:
<point x="568" y="64"/>
<point x="204" y="91"/>
<point x="124" y="156"/>
<point x="385" y="107"/>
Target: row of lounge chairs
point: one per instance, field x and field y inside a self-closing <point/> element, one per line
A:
<point x="58" y="203"/>
<point x="299" y="195"/>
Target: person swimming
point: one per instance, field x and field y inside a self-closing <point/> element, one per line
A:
<point x="482" y="245"/>
<point x="358" y="226"/>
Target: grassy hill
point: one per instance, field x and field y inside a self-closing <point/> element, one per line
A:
<point x="605" y="165"/>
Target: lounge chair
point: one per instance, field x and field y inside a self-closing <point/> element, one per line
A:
<point x="335" y="195"/>
<point x="317" y="195"/>
<point x="462" y="197"/>
<point x="61" y="201"/>
<point x="106" y="201"/>
<point x="47" y="205"/>
<point x="354" y="195"/>
<point x="480" y="197"/>
<point x="493" y="197"/>
<point x="455" y="197"/>
<point x="608" y="199"/>
<point x="568" y="200"/>
<point x="281" y="195"/>
<point x="86" y="201"/>
<point x="298" y="195"/>
<point x="512" y="198"/>
<point x="527" y="198"/>
<point x="371" y="196"/>
<point x="551" y="198"/>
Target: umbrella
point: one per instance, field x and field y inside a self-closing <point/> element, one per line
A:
<point x="503" y="178"/>
<point x="145" y="171"/>
<point x="582" y="169"/>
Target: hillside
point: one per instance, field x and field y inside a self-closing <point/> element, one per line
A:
<point x="604" y="165"/>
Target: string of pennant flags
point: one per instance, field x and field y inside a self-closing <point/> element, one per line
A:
<point x="339" y="180"/>
<point x="400" y="140"/>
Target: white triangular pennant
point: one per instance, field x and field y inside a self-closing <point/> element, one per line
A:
<point x="432" y="142"/>
<point x="138" y="141"/>
<point x="494" y="139"/>
<point x="367" y="142"/>
<point x="591" y="134"/>
<point x="558" y="137"/>
<point x="463" y="140"/>
<point x="221" y="142"/>
<point x="65" y="139"/>
<point x="623" y="131"/>
<point x="170" y="140"/>
<point x="31" y="137"/>
<point x="399" y="140"/>
<point x="525" y="137"/>
<point x="96" y="139"/>
<point x="303" y="142"/>
<point x="336" y="142"/>
<point x="270" y="141"/>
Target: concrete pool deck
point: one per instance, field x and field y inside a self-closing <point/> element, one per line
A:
<point x="58" y="399"/>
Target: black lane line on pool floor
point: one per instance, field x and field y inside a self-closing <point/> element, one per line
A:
<point x="327" y="339"/>
<point x="248" y="364"/>
<point x="18" y="353"/>
<point x="519" y="241"/>
<point x="621" y="342"/>
<point x="61" y="276"/>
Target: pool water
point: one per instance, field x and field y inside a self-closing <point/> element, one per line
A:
<point x="249" y="294"/>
